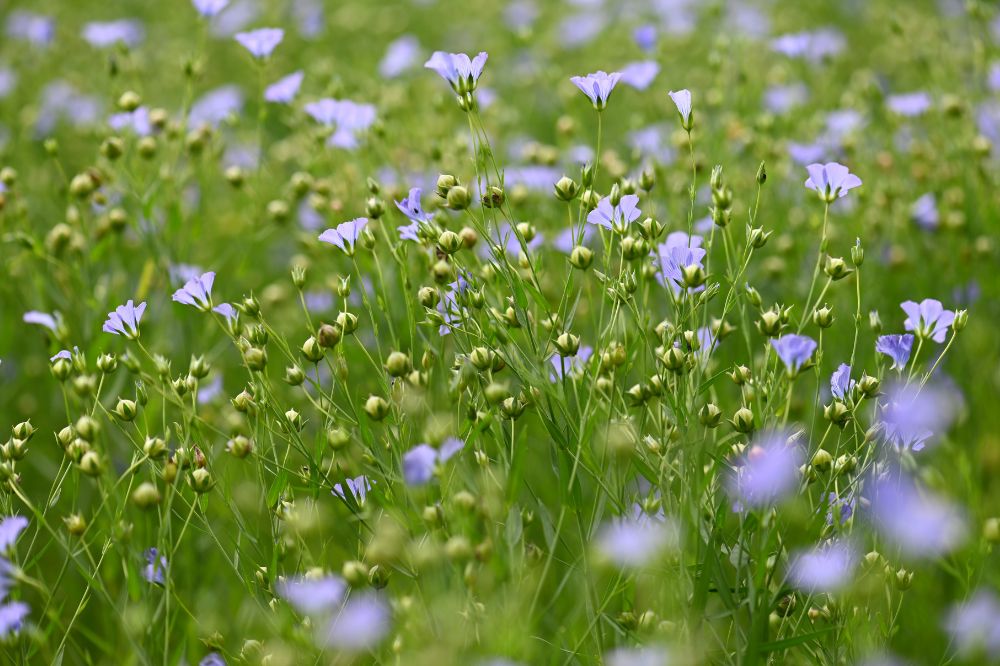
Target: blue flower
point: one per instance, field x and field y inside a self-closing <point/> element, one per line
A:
<point x="831" y="180"/>
<point x="261" y="42"/>
<point x="313" y="596"/>
<point x="209" y="8"/>
<point x="640" y="74"/>
<point x="197" y="292"/>
<point x="40" y="318"/>
<point x="909" y="105"/>
<point x="226" y="310"/>
<point x="597" y="86"/>
<point x="156" y="566"/>
<point x="678" y="252"/>
<point x="400" y="56"/>
<point x="411" y="207"/>
<point x="617" y="217"/>
<point x="284" y="90"/>
<point x="458" y="69"/>
<point x="645" y="37"/>
<point x="420" y="461"/>
<point x="125" y="320"/>
<point x="825" y="568"/>
<point x="921" y="524"/>
<point x="360" y="624"/>
<point x="682" y="100"/>
<point x="928" y="319"/>
<point x="841" y="383"/>
<point x="358" y="487"/>
<point x="12" y="617"/>
<point x="104" y="34"/>
<point x="925" y="212"/>
<point x="10" y="528"/>
<point x="767" y="473"/>
<point x="794" y="350"/>
<point x="216" y="106"/>
<point x="896" y="347"/>
<point x="345" y="235"/>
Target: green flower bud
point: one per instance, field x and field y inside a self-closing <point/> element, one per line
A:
<point x="481" y="358"/>
<point x="581" y="257"/>
<point x="674" y="358"/>
<point x="112" y="147"/>
<point x="770" y="323"/>
<point x="312" y="349"/>
<point x="294" y="420"/>
<point x="87" y="428"/>
<point x="376" y="407"/>
<point x="198" y="368"/>
<point x="355" y="573"/>
<point x="740" y="375"/>
<point x="146" y="495"/>
<point x="961" y="320"/>
<point x="201" y="480"/>
<point x="566" y="189"/>
<point x="743" y="420"/>
<point x="445" y="183"/>
<point x="875" y="322"/>
<point x="710" y="415"/>
<point x="837" y="413"/>
<point x="239" y="446"/>
<point x="397" y="364"/>
<point x="567" y="344"/>
<point x="235" y="176"/>
<point x="129" y="101"/>
<point x="868" y="386"/>
<point x="294" y="375"/>
<point x="449" y="242"/>
<point x="348" y="322"/>
<point x="761" y="174"/>
<point x="647" y="179"/>
<point x="374" y="208"/>
<point x="243" y="402"/>
<point x="823" y="317"/>
<point x="75" y="524"/>
<point x="125" y="410"/>
<point x="154" y="447"/>
<point x="90" y="463"/>
<point x="496" y="393"/>
<point x="458" y="549"/>
<point x="458" y="198"/>
<point x="23" y="430"/>
<point x="337" y="438"/>
<point x="822" y="461"/>
<point x="991" y="530"/>
<point x="836" y="268"/>
<point x="857" y="254"/>
<point x="757" y="237"/>
<point x="255" y="358"/>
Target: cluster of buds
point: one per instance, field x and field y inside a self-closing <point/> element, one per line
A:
<point x="722" y="199"/>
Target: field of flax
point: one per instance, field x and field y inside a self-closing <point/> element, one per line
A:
<point x="625" y="332"/>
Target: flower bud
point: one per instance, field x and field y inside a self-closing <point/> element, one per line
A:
<point x="337" y="438"/>
<point x="674" y="359"/>
<point x="312" y="349"/>
<point x="757" y="237"/>
<point x="761" y="174"/>
<point x="836" y="268"/>
<point x="428" y="297"/>
<point x="145" y="495"/>
<point x="868" y="386"/>
<point x="567" y="344"/>
<point x="694" y="276"/>
<point x="154" y="447"/>
<point x="991" y="530"/>
<point x="449" y="242"/>
<point x="823" y="317"/>
<point x="875" y="322"/>
<point x="857" y="254"/>
<point x="125" y="410"/>
<point x="961" y="320"/>
<point x="255" y="358"/>
<point x="376" y="407"/>
<point x="62" y="368"/>
<point x="458" y="198"/>
<point x="770" y="323"/>
<point x="740" y="375"/>
<point x="87" y="428"/>
<point x="243" y="402"/>
<point x="837" y="413"/>
<point x="753" y="296"/>
<point x="566" y="189"/>
<point x="743" y="420"/>
<point x="374" y="208"/>
<point x="75" y="524"/>
<point x="822" y="461"/>
<point x="581" y="257"/>
<point x="710" y="415"/>
<point x="647" y="179"/>
<point x="294" y="375"/>
<point x="90" y="463"/>
<point x="348" y="322"/>
<point x="23" y="431"/>
<point x="445" y="183"/>
<point x="239" y="446"/>
<point x="201" y="480"/>
<point x="397" y="364"/>
<point x="469" y="237"/>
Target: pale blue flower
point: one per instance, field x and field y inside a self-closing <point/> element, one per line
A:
<point x="284" y="90"/>
<point x="125" y="320"/>
<point x="794" y="350"/>
<point x="261" y="42"/>
<point x="345" y="235"/>
<point x="597" y="86"/>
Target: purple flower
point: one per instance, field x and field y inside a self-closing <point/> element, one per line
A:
<point x="215" y="106"/>
<point x="361" y="624"/>
<point x="125" y="320"/>
<point x="841" y="383"/>
<point x="136" y="121"/>
<point x="928" y="319"/>
<point x="650" y="655"/>
<point x="411" y="207"/>
<point x="825" y="568"/>
<point x="197" y="292"/>
<point x="209" y="8"/>
<point x="645" y="37"/>
<point x="677" y="253"/>
<point x="400" y="56"/>
<point x="782" y="99"/>
<point x="564" y="366"/>
<point x="597" y="86"/>
<point x="768" y="472"/>
<point x="922" y="525"/>
<point x="212" y="659"/>
<point x="794" y="350"/>
<point x="458" y="69"/>
<point x="911" y="414"/>
<point x="226" y="310"/>
<point x="682" y="100"/>
<point x="12" y="617"/>
<point x="345" y="235"/>
<point x="156" y="566"/>
<point x="31" y="27"/>
<point x="10" y="528"/>
<point x="284" y="90"/>
<point x="813" y="46"/>
<point x="633" y="542"/>
<point x="261" y="42"/>
<point x="348" y="117"/>
<point x="65" y="354"/>
<point x="909" y="105"/>
<point x="831" y="180"/>
<point x="896" y="347"/>
<point x="420" y="461"/>
<point x="925" y="212"/>
<point x="358" y="487"/>
<point x="974" y="625"/>
<point x="640" y="75"/>
<point x="104" y="34"/>
<point x="40" y="318"/>
<point x="313" y="596"/>
<point x="618" y="217"/>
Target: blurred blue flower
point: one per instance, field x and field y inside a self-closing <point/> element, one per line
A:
<point x="781" y="99"/>
<point x="104" y="34"/>
<point x="813" y="46"/>
<point x="361" y="623"/>
<point x="597" y="86"/>
<point x="910" y="104"/>
<point x="567" y="366"/>
<point x="649" y="655"/>
<point x="358" y="487"/>
<point x="896" y="347"/>
<point x="794" y="350"/>
<point x="824" y="568"/>
<point x="629" y="542"/>
<point x="10" y="528"/>
<point x="284" y="90"/>
<point x="209" y="8"/>
<point x="125" y="320"/>
<point x="919" y="523"/>
<point x="37" y="29"/>
<point x="639" y="75"/>
<point x="767" y="473"/>
<point x="12" y="617"/>
<point x="156" y="567"/>
<point x="260" y="42"/>
<point x="313" y="595"/>
<point x="645" y="37"/>
<point x="974" y="625"/>
<point x="925" y="212"/>
<point x="41" y="319"/>
<point x="928" y="319"/>
<point x="215" y="106"/>
<point x="420" y="461"/>
<point x="401" y="55"/>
